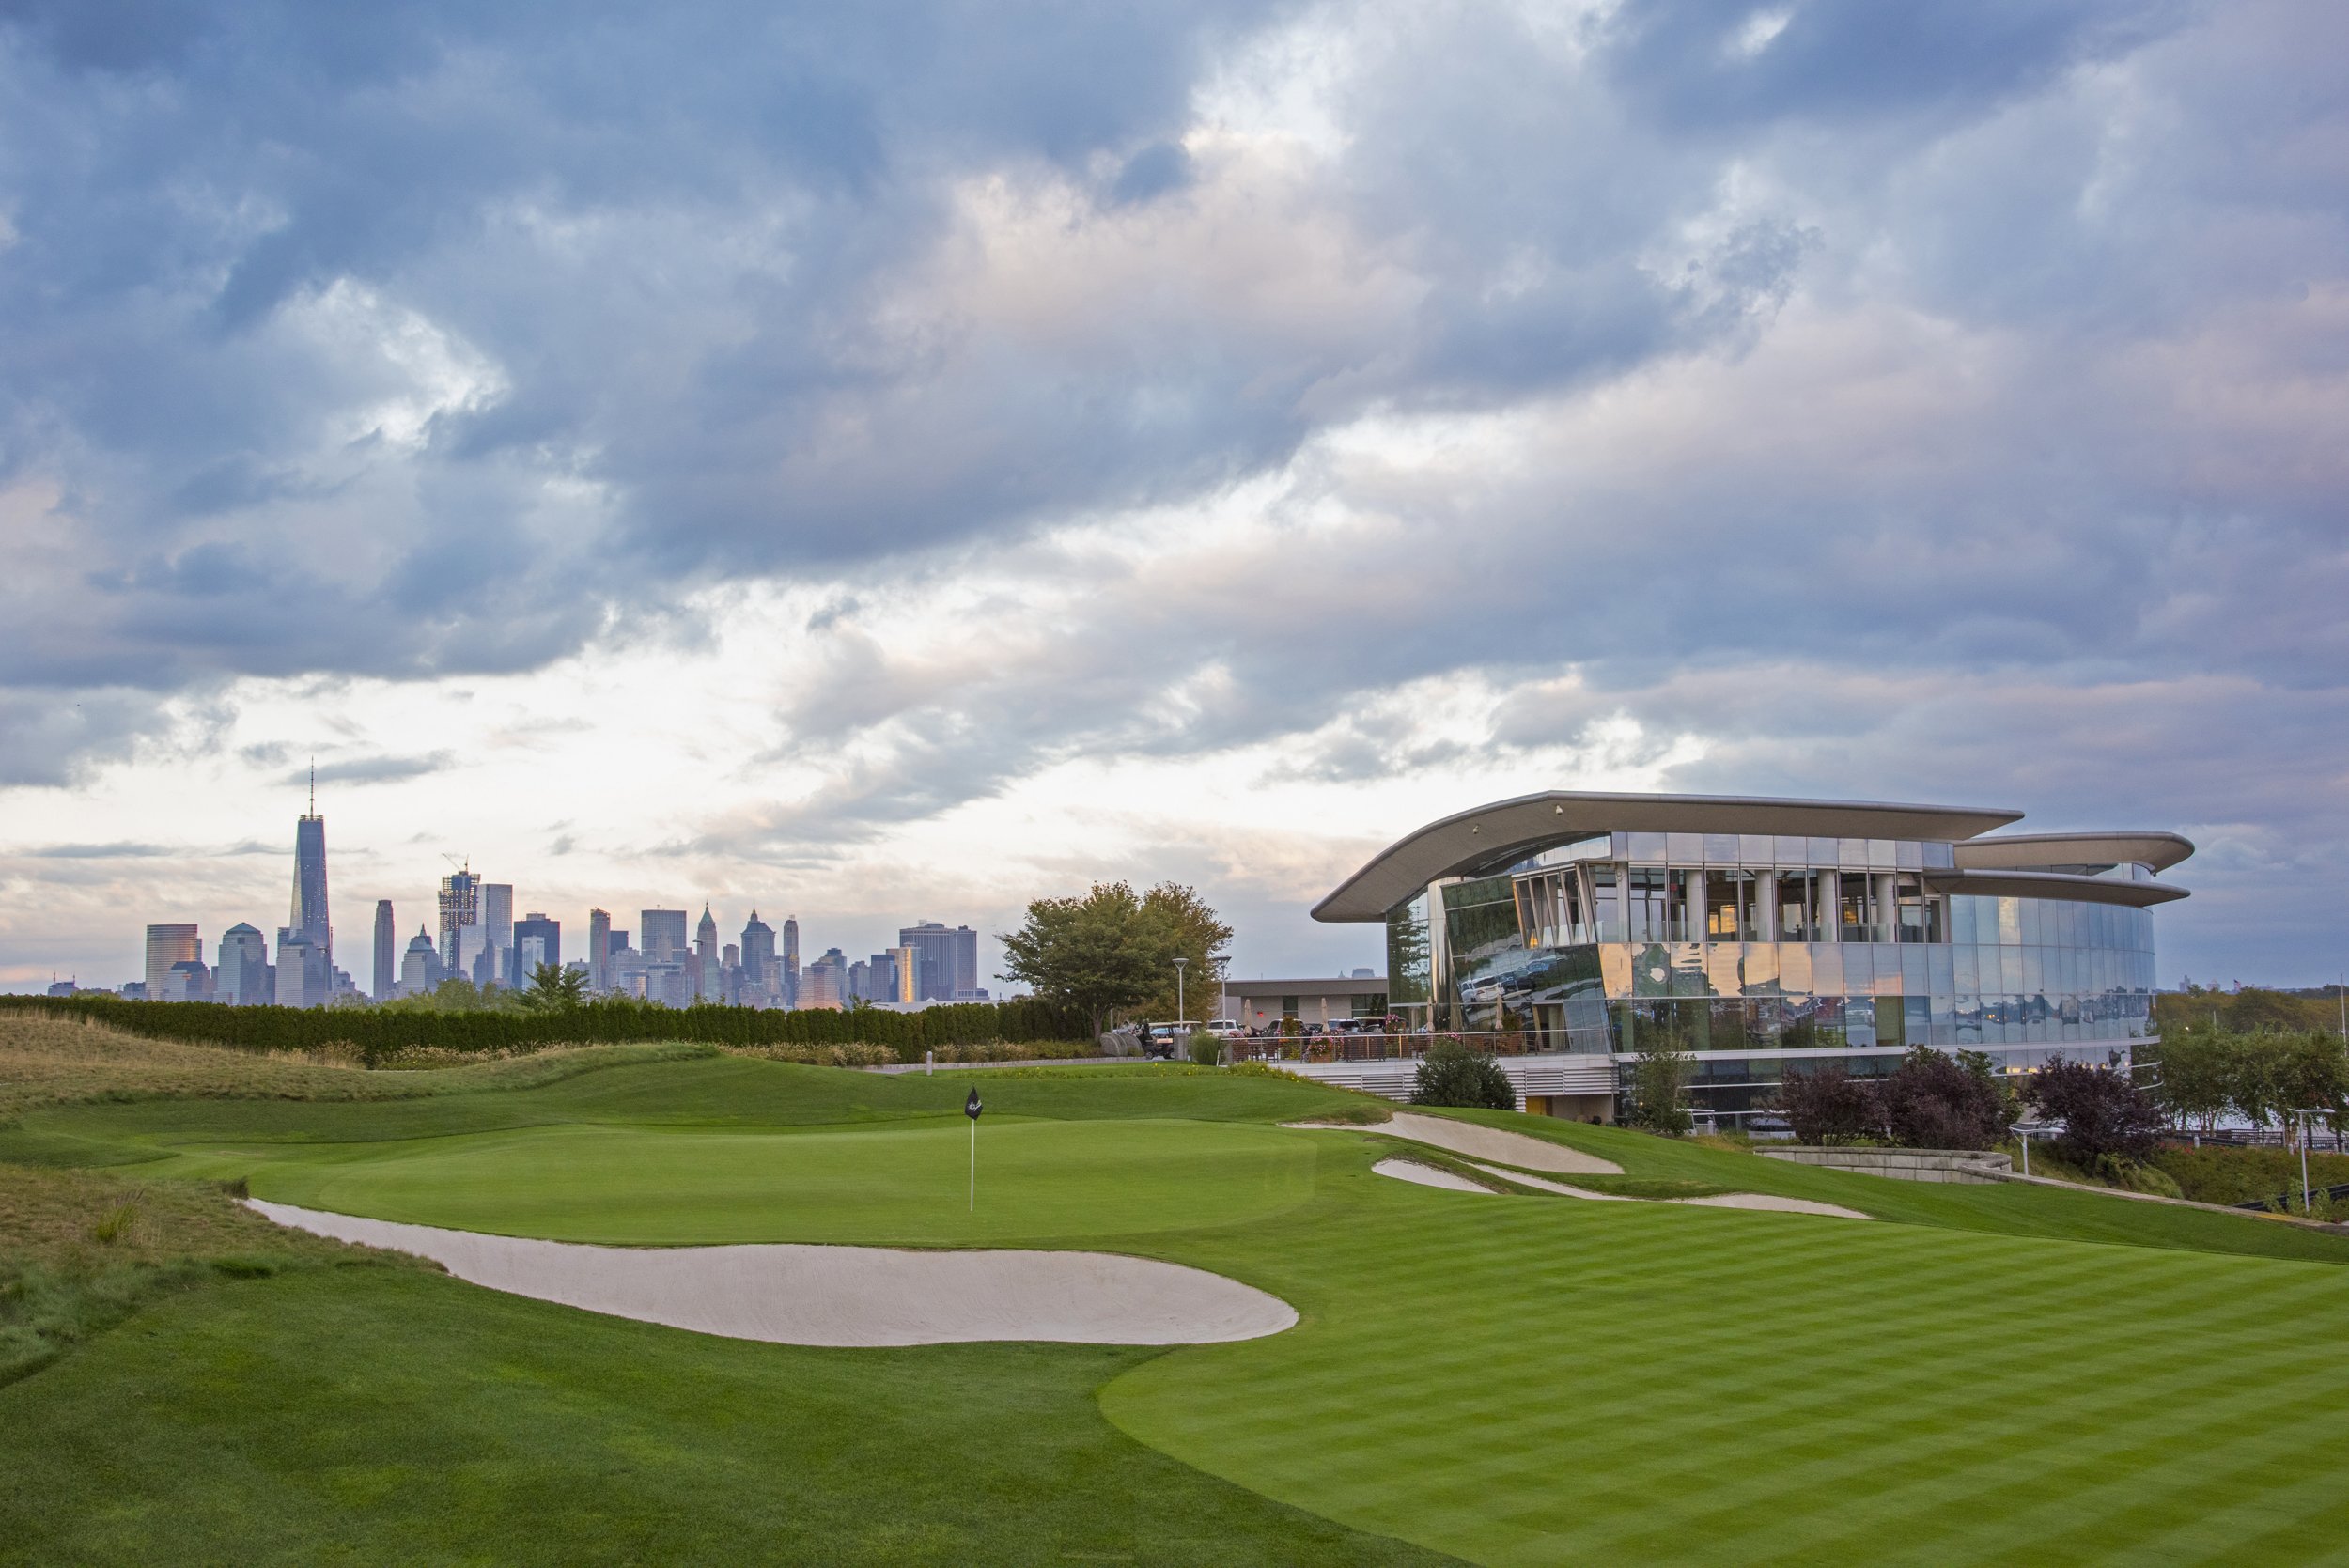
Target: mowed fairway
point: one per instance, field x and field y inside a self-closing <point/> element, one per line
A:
<point x="1978" y="1376"/>
<point x="1529" y="1381"/>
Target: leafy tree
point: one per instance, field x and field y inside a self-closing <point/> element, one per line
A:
<point x="1188" y="929"/>
<point x="554" y="989"/>
<point x="1450" y="1074"/>
<point x="1659" y="1083"/>
<point x="1932" y="1101"/>
<point x="1100" y="953"/>
<point x="1827" y="1105"/>
<point x="2270" y="1076"/>
<point x="2192" y="1072"/>
<point x="2103" y="1113"/>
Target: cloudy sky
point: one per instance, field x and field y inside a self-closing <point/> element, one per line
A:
<point x="897" y="460"/>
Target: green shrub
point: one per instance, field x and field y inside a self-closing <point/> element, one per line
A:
<point x="1450" y="1074"/>
<point x="1204" y="1047"/>
<point x="380" y="1034"/>
<point x="1659" y="1086"/>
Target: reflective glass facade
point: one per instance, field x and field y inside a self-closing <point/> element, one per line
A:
<point x="1731" y="944"/>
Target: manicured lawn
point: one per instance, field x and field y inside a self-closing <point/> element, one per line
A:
<point x="384" y="1416"/>
<point x="1539" y="1380"/>
<point x="1985" y="1374"/>
<point x="902" y="1183"/>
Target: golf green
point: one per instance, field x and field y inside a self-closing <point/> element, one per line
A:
<point x="905" y="1183"/>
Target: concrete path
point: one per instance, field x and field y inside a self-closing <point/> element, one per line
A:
<point x="1467" y="1137"/>
<point x="1427" y="1176"/>
<point x="843" y="1296"/>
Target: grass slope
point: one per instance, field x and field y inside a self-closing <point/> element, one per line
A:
<point x="401" y="1417"/>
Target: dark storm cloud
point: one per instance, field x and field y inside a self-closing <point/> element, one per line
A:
<point x="377" y="770"/>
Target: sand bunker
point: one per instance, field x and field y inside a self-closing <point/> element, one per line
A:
<point x="1467" y="1137"/>
<point x="1425" y="1175"/>
<point x="844" y="1296"/>
<point x="1721" y="1201"/>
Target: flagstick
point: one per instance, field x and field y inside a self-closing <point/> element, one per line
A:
<point x="975" y="1165"/>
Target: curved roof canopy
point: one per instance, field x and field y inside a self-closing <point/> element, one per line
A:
<point x="2027" y="851"/>
<point x="2055" y="884"/>
<point x="1506" y="831"/>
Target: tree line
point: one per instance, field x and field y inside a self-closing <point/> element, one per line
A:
<point x="384" y="1032"/>
<point x="2201" y="1077"/>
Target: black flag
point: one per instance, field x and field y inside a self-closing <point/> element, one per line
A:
<point x="972" y="1106"/>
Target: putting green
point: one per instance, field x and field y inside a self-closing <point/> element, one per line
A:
<point x="899" y="1183"/>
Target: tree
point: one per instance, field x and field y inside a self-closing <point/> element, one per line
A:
<point x="2103" y="1113"/>
<point x="1099" y="953"/>
<point x="1188" y="929"/>
<point x="2191" y="1072"/>
<point x="2274" y="1075"/>
<point x="1659" y="1083"/>
<point x="1932" y="1101"/>
<point x="1827" y="1105"/>
<point x="1450" y="1074"/>
<point x="554" y="989"/>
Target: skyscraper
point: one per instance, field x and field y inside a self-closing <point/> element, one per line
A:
<point x="243" y="978"/>
<point x="947" y="961"/>
<point x="905" y="975"/>
<point x="497" y="929"/>
<point x="759" y="979"/>
<point x="707" y="976"/>
<point x="167" y="945"/>
<point x="309" y="919"/>
<point x="420" y="970"/>
<point x="598" y="951"/>
<point x="536" y="941"/>
<point x="661" y="935"/>
<point x="461" y="907"/>
<point x="386" y="951"/>
<point x="790" y="962"/>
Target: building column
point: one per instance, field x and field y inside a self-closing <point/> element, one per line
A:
<point x="1766" y="905"/>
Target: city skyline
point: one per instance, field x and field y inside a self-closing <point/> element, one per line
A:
<point x="481" y="940"/>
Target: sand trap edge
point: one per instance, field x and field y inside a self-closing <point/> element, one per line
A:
<point x="788" y="1292"/>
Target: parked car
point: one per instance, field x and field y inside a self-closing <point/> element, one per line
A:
<point x="1166" y="1041"/>
<point x="1224" y="1028"/>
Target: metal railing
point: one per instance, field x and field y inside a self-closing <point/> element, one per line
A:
<point x="1395" y="1047"/>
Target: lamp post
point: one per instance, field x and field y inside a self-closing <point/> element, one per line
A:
<point x="1178" y="988"/>
<point x="2307" y="1200"/>
<point x="2022" y="1130"/>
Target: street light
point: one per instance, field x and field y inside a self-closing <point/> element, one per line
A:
<point x="1178" y="987"/>
<point x="2023" y="1130"/>
<point x="2307" y="1201"/>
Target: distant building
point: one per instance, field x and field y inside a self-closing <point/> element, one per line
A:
<point x="420" y="970"/>
<point x="825" y="982"/>
<point x="880" y="976"/>
<point x="309" y="916"/>
<point x="167" y="945"/>
<point x="305" y="978"/>
<point x="762" y="982"/>
<point x="536" y="941"/>
<point x="497" y="930"/>
<point x="62" y="987"/>
<point x="188" y="981"/>
<point x="599" y="951"/>
<point x="1262" y="1004"/>
<point x="904" y="964"/>
<point x="946" y="962"/>
<point x="386" y="951"/>
<point x="134" y="990"/>
<point x="790" y="960"/>
<point x="244" y="978"/>
<point x="661" y="935"/>
<point x="460" y="910"/>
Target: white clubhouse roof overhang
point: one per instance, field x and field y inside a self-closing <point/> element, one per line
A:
<point x="1506" y="831"/>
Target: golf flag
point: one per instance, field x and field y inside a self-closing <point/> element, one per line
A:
<point x="972" y="1108"/>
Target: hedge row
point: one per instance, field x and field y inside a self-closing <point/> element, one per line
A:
<point x="377" y="1033"/>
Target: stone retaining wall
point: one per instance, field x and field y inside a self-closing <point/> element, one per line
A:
<point x="1971" y="1167"/>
